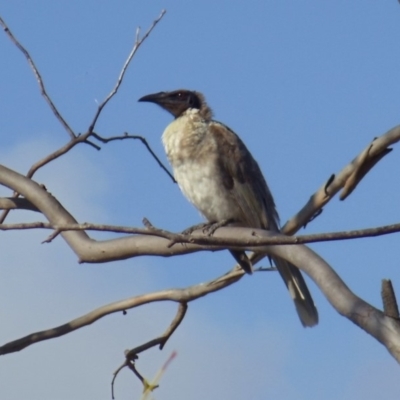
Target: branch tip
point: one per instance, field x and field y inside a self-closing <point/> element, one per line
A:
<point x="328" y="183"/>
<point x="388" y="295"/>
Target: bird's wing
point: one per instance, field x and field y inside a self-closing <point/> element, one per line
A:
<point x="243" y="178"/>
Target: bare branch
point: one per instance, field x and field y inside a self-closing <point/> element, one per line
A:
<point x="364" y="166"/>
<point x="89" y="250"/>
<point x="247" y="238"/>
<point x="11" y="203"/>
<point x="161" y="340"/>
<point x="148" y="386"/>
<point x="52" y="156"/>
<point x="143" y="140"/>
<point x="132" y="355"/>
<point x="138" y="42"/>
<point x="181" y="296"/>
<point x="74" y="139"/>
<point x="385" y="329"/>
<point x="373" y="153"/>
<point x="38" y="78"/>
<point x="390" y="307"/>
<point x="94" y="145"/>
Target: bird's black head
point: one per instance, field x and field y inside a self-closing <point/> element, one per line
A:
<point x="176" y="102"/>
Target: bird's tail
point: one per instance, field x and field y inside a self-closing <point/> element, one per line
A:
<point x="243" y="261"/>
<point x="297" y="287"/>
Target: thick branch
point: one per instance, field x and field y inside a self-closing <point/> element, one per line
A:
<point x="89" y="250"/>
<point x="383" y="328"/>
<point x="373" y="321"/>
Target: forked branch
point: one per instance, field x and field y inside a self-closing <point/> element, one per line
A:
<point x="383" y="328"/>
<point x="137" y="44"/>
<point x="347" y="179"/>
<point x="74" y="139"/>
<point x="132" y="355"/>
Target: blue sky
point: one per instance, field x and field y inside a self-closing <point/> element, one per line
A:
<point x="307" y="85"/>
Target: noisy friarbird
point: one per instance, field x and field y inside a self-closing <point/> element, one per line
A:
<point x="220" y="177"/>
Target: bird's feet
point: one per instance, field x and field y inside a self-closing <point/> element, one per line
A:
<point x="207" y="227"/>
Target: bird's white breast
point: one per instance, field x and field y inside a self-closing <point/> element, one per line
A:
<point x="192" y="153"/>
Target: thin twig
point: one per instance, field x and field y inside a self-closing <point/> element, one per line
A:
<point x="138" y="42"/>
<point x="38" y="78"/>
<point x="51" y="237"/>
<point x="132" y="367"/>
<point x="84" y="138"/>
<point x="148" y="224"/>
<point x="46" y="160"/>
<point x="143" y="140"/>
<point x="132" y="355"/>
<point x="161" y="340"/>
<point x="175" y="323"/>
<point x="115" y="374"/>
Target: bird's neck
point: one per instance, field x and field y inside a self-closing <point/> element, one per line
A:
<point x="182" y="136"/>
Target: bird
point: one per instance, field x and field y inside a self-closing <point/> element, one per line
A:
<point x="219" y="176"/>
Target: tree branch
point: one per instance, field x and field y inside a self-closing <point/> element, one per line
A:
<point x="385" y="329"/>
<point x="38" y="78"/>
<point x="181" y="296"/>
<point x="242" y="239"/>
<point x="144" y="141"/>
<point x="373" y="321"/>
<point x="12" y="203"/>
<point x="84" y="138"/>
<point x="390" y="307"/>
<point x="89" y="250"/>
<point x="354" y="171"/>
<point x="132" y="355"/>
<point x="138" y="42"/>
<point x="364" y="162"/>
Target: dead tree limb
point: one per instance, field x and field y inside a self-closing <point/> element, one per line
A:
<point x="383" y="328"/>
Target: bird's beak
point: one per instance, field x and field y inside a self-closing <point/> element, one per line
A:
<point x="157" y="98"/>
<point x="168" y="101"/>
